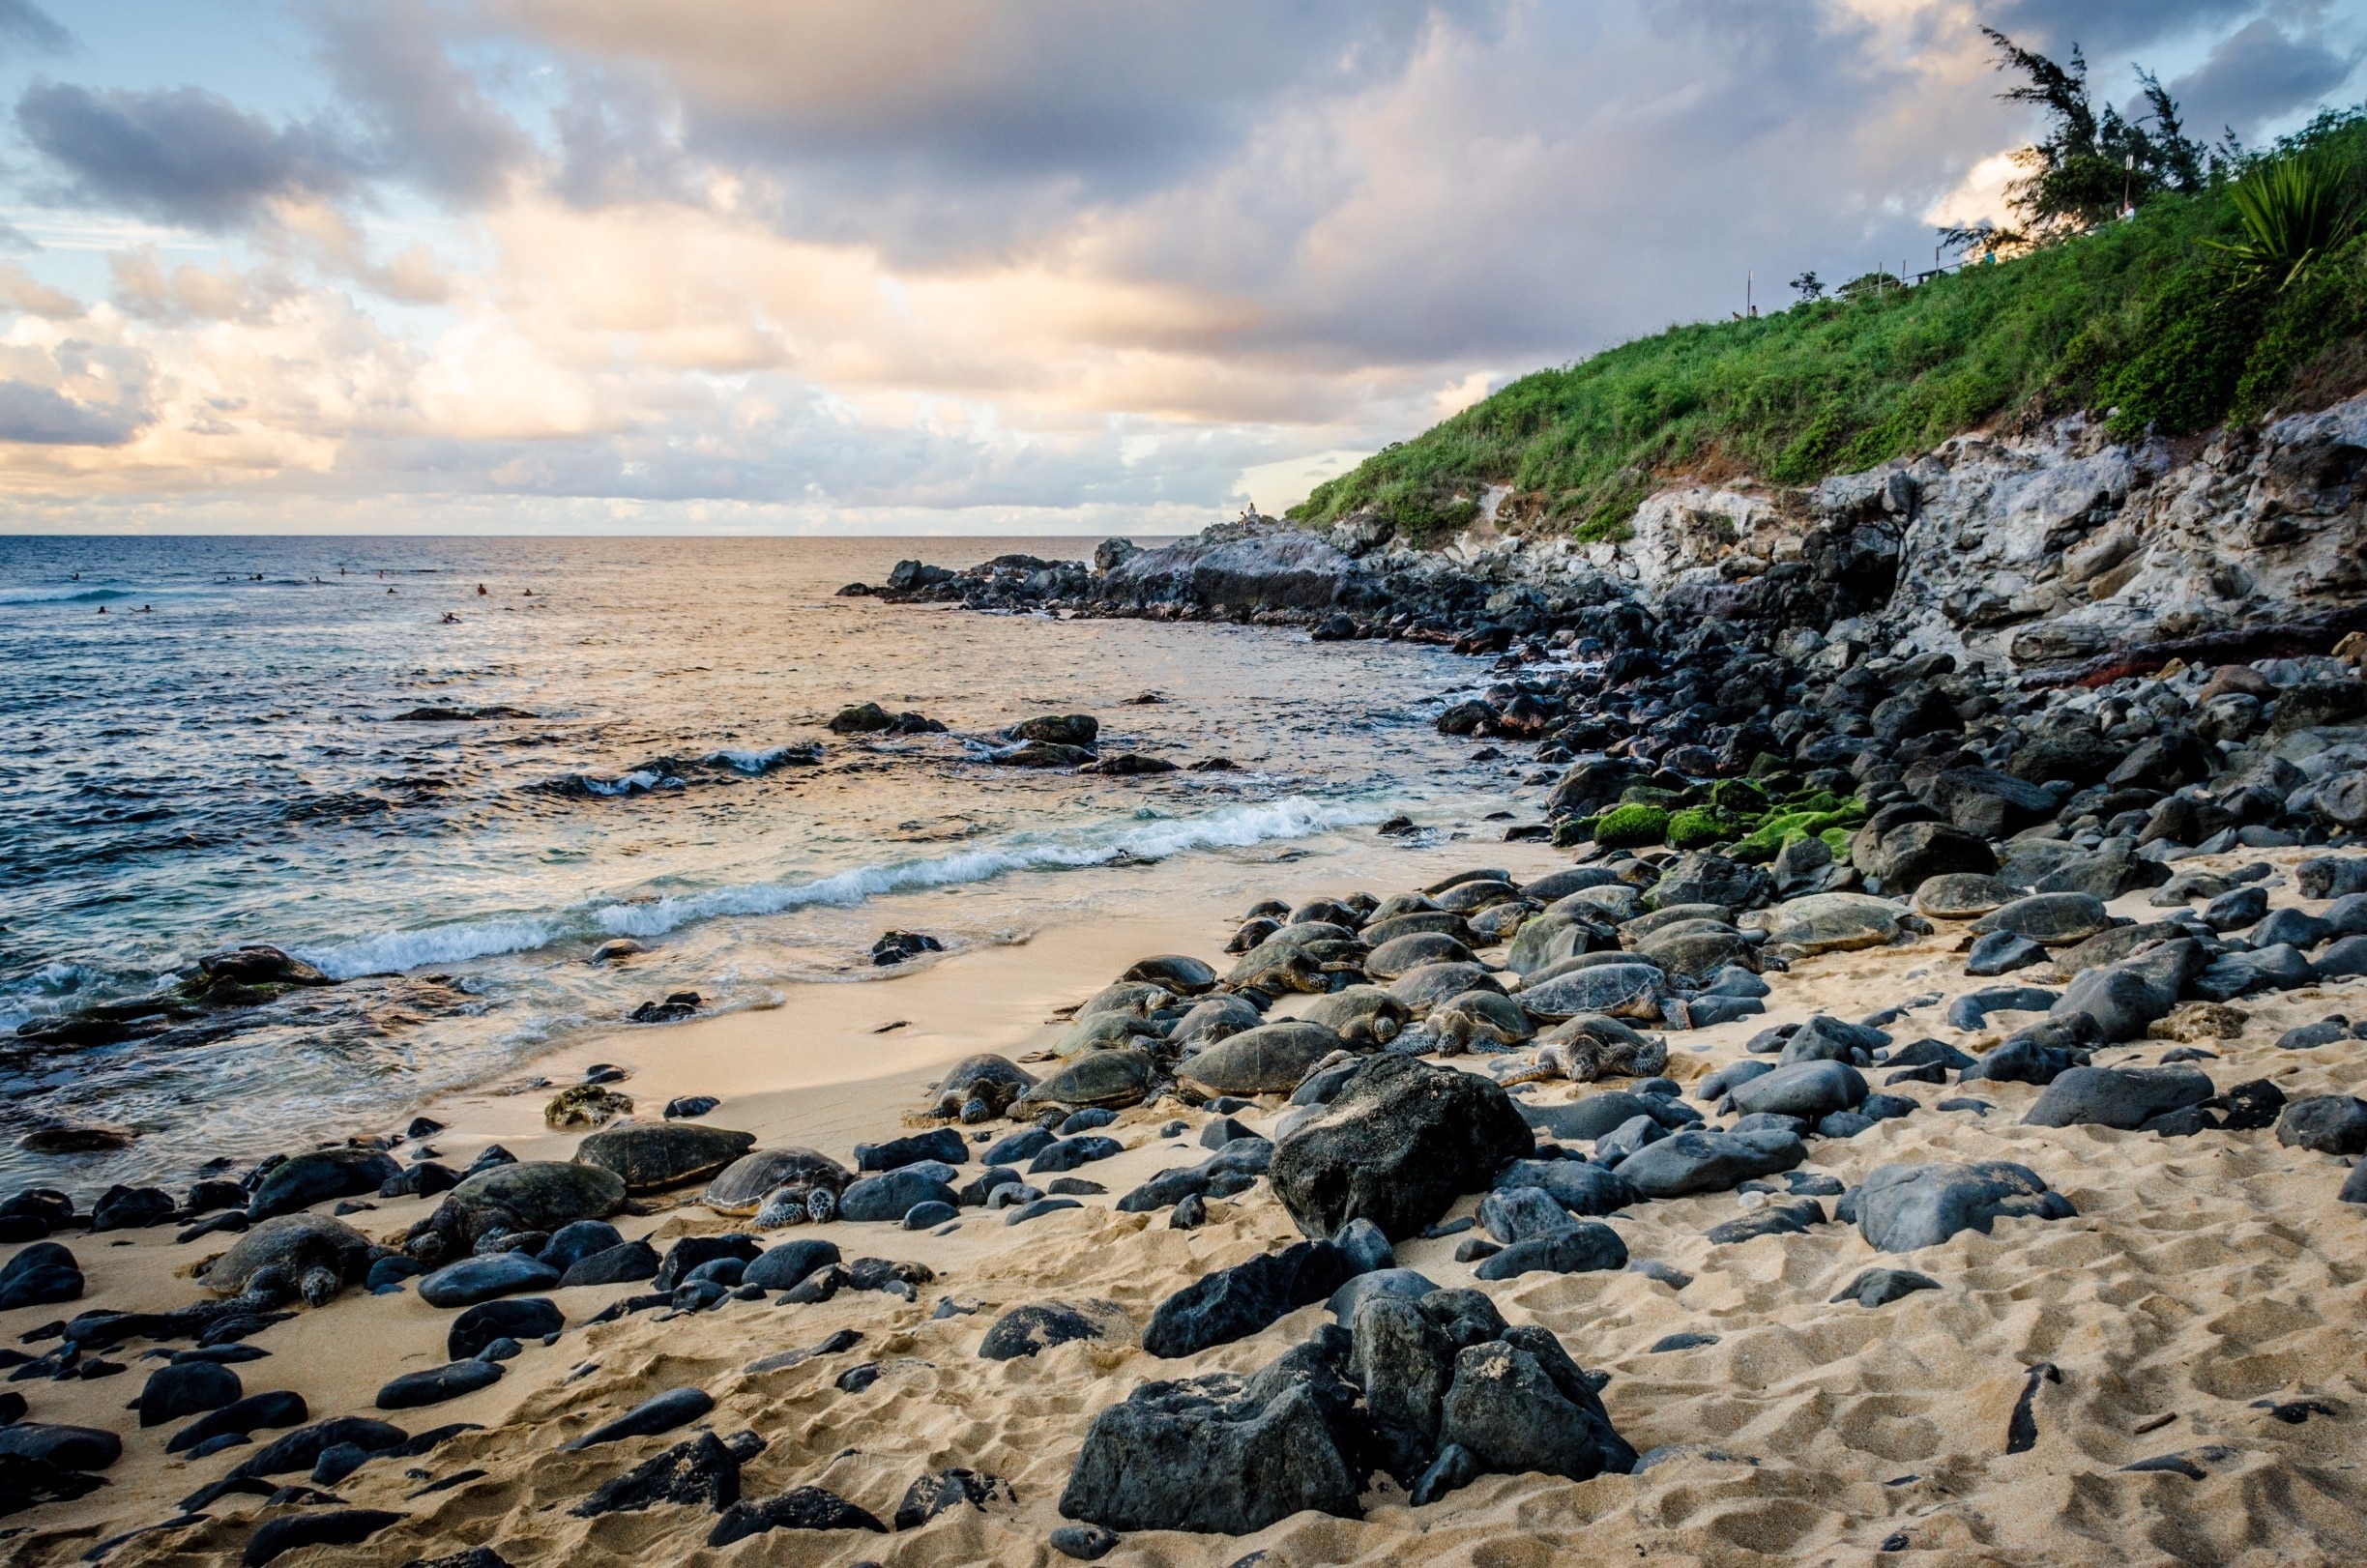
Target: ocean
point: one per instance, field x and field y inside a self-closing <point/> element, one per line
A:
<point x="223" y="756"/>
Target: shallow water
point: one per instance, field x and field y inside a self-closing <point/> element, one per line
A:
<point x="217" y="759"/>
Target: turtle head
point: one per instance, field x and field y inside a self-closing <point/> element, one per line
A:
<point x="975" y="1110"/>
<point x="318" y="1285"/>
<point x="822" y="1204"/>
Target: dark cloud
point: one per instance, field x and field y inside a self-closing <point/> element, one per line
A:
<point x="619" y="142"/>
<point x="2258" y="75"/>
<point x="180" y="153"/>
<point x="2107" y="30"/>
<point x="38" y="416"/>
<point x="25" y="26"/>
<point x="429" y="119"/>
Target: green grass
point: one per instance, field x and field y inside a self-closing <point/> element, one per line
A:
<point x="2144" y="319"/>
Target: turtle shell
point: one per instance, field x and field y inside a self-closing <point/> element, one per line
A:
<point x="653" y="1154"/>
<point x="1184" y="975"/>
<point x="543" y="1194"/>
<point x="985" y="1074"/>
<point x="294" y="1242"/>
<point x="1109" y="1079"/>
<point x="1480" y="1015"/>
<point x="742" y="1185"/>
<point x="1420" y="988"/>
<point x="1102" y="1031"/>
<point x="1361" y="1014"/>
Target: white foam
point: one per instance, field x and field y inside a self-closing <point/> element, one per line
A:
<point x="1236" y="827"/>
<point x="748" y="760"/>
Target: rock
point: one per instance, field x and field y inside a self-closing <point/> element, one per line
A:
<point x="1576" y="1249"/>
<point x="593" y="1104"/>
<point x="332" y="1526"/>
<point x="1398" y="1143"/>
<point x="938" y="1491"/>
<point x="2107" y="874"/>
<point x="2122" y="1097"/>
<point x="661" y="1412"/>
<point x="1579" y="1186"/>
<point x="619" y="1264"/>
<point x="892" y="1195"/>
<point x="42" y="1274"/>
<point x="69" y="1448"/>
<point x="1271" y="1059"/>
<point x="519" y="1318"/>
<point x="1083" y="1543"/>
<point x="1513" y="1214"/>
<point x="570" y="1245"/>
<point x="2038" y="1055"/>
<point x="800" y="1508"/>
<point x="2002" y="952"/>
<point x="436" y="1384"/>
<point x="786" y="1267"/>
<point x="1701" y="1161"/>
<point x="1042" y="1324"/>
<point x="688" y="1256"/>
<point x="1831" y="923"/>
<point x="702" y="1473"/>
<point x="1880" y="1287"/>
<point x="1806" y="1090"/>
<point x="471" y="1280"/>
<point x="2236" y="975"/>
<point x="188" y="1389"/>
<point x="256" y="1411"/>
<point x="1227" y="1304"/>
<point x="317" y="1176"/>
<point x="648" y="1156"/>
<point x="1700" y="877"/>
<point x="1516" y="1407"/>
<point x="1215" y="1454"/>
<point x="2329" y="1123"/>
<point x="1911" y="853"/>
<point x="1771" y="1219"/>
<point x="1907" y="1207"/>
<point x="2123" y="1001"/>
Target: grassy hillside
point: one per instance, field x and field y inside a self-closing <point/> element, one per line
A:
<point x="2143" y="317"/>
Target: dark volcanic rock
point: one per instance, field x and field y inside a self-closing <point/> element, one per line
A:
<point x="334" y="1527"/>
<point x="1519" y="1404"/>
<point x="1401" y="1141"/>
<point x="800" y="1508"/>
<point x="1234" y="1303"/>
<point x="315" y="1178"/>
<point x="436" y="1384"/>
<point x="519" y="1318"/>
<point x="2124" y="1097"/>
<point x="1042" y="1324"/>
<point x="702" y="1471"/>
<point x="1701" y="1161"/>
<point x="188" y="1389"/>
<point x="1904" y="1208"/>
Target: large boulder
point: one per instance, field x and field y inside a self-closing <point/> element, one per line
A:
<point x="1399" y="1143"/>
<point x="1699" y="877"/>
<point x="1805" y="1090"/>
<point x="2122" y="1097"/>
<point x="1219" y="1456"/>
<point x="1697" y="1160"/>
<point x="1517" y="1405"/>
<point x="1227" y="1304"/>
<point x="1248" y="566"/>
<point x="1905" y="1207"/>
<point x="1903" y="858"/>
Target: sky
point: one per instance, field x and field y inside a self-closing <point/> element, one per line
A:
<point x="943" y="266"/>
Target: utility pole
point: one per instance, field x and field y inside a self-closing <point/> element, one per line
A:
<point x="1748" y="309"/>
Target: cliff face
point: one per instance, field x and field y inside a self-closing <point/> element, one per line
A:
<point x="2058" y="554"/>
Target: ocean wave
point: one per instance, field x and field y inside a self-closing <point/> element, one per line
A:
<point x="65" y="593"/>
<point x="1236" y="826"/>
<point x="754" y="761"/>
<point x="1233" y="827"/>
<point x="395" y="951"/>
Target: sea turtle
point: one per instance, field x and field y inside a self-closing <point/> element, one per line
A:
<point x="1612" y="899"/>
<point x="1184" y="976"/>
<point x="1693" y="949"/>
<point x="1326" y="911"/>
<point x="1103" y="1032"/>
<point x="1251" y="933"/>
<point x="1414" y="922"/>
<point x="1271" y="1059"/>
<point x="1268" y="908"/>
<point x="1278" y="971"/>
<point x="1314" y="936"/>
<point x="1418" y="990"/>
<point x="2050" y="920"/>
<point x="1487" y="1018"/>
<point x="527" y="1195"/>
<point x="1830" y="922"/>
<point x="1398" y="904"/>
<point x="1107" y="1079"/>
<point x="653" y="1154"/>
<point x="1630" y="990"/>
<point x="1962" y="895"/>
<point x="1635" y="930"/>
<point x="1360" y="1015"/>
<point x="1471" y="897"/>
<point x="803" y="1182"/>
<point x="1212" y="1018"/>
<point x="289" y="1255"/>
<point x="1547" y="938"/>
<point x="1127" y="997"/>
<point x="977" y="1088"/>
<point x="586" y="1105"/>
<point x="1499" y="922"/>
<point x="1399" y="954"/>
<point x="1584" y="1049"/>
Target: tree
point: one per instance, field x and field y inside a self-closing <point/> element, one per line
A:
<point x="2089" y="162"/>
<point x="1808" y="286"/>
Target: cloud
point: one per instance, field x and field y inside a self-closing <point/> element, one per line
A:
<point x="37" y="415"/>
<point x="189" y="293"/>
<point x="431" y="121"/>
<point x="2257" y="75"/>
<point x="183" y="155"/>
<point x="27" y="28"/>
<point x="22" y="291"/>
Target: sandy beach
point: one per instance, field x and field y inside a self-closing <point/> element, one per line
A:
<point x="2201" y="1281"/>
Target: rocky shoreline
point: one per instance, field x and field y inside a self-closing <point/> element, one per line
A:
<point x="1918" y="1078"/>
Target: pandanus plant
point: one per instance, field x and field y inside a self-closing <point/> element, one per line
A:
<point x="2295" y="212"/>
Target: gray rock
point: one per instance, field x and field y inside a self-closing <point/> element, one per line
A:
<point x="436" y="1384"/>
<point x="1700" y="1161"/>
<point x="1906" y="1207"/>
<point x="1580" y="1186"/>
<point x="1040" y="1326"/>
<point x="471" y="1280"/>
<point x="1584" y="1247"/>
<point x="2002" y="952"/>
<point x="2329" y="1123"/>
<point x="892" y="1195"/>
<point x="1806" y="1090"/>
<point x="1516" y="1407"/>
<point x="1880" y="1287"/>
<point x="2122" y="1097"/>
